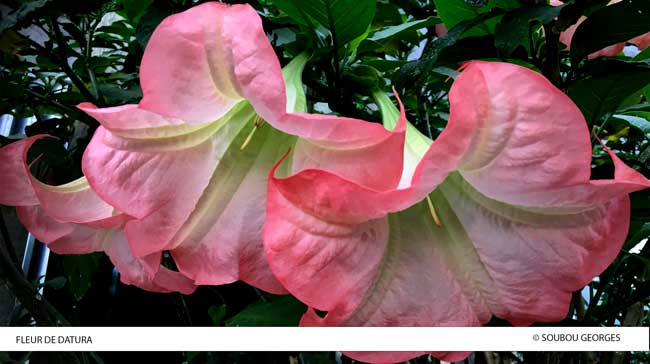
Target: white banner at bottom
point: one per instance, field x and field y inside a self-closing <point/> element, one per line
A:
<point x="324" y="339"/>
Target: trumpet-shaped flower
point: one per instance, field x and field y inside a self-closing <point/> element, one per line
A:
<point x="500" y="218"/>
<point x="72" y="219"/>
<point x="190" y="162"/>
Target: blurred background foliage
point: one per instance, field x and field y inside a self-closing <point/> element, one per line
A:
<point x="57" y="53"/>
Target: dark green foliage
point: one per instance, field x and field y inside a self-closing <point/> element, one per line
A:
<point x="515" y="26"/>
<point x="79" y="270"/>
<point x="277" y="311"/>
<point x="345" y="19"/>
<point x="601" y="94"/>
<point x="604" y="27"/>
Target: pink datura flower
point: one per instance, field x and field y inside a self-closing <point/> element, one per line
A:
<point x="72" y="219"/>
<point x="440" y="30"/>
<point x="190" y="162"/>
<point x="642" y="41"/>
<point x="496" y="217"/>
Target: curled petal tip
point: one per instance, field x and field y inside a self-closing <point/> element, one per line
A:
<point x="277" y="164"/>
<point x="401" y="122"/>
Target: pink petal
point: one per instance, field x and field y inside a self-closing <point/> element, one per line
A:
<point x="487" y="258"/>
<point x="514" y="140"/>
<point x="71" y="202"/>
<point x="198" y="65"/>
<point x="186" y="182"/>
<point x="72" y="219"/>
<point x="642" y="42"/>
<point x="567" y="35"/>
<point x="383" y="357"/>
<point x="440" y="30"/>
<point x="54" y="213"/>
<point x="69" y="238"/>
<point x="531" y="145"/>
<point x="375" y="162"/>
<point x="221" y="241"/>
<point x="534" y="258"/>
<point x="136" y="271"/>
<point x="306" y="251"/>
<point x="201" y="58"/>
<point x="61" y="238"/>
<point x="529" y="136"/>
<point x="196" y="218"/>
<point x="15" y="185"/>
<point x="152" y="181"/>
<point x="211" y="221"/>
<point x="131" y="121"/>
<point x="609" y="51"/>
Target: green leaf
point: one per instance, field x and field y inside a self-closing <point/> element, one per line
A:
<point x="116" y="95"/>
<point x="149" y="21"/>
<point x="388" y="13"/>
<point x="642" y="114"/>
<point x="55" y="283"/>
<point x="280" y="311"/>
<point x="25" y="9"/>
<point x="362" y="77"/>
<point x="638" y="122"/>
<point x="453" y="12"/>
<point x="636" y="236"/>
<point x="383" y="65"/>
<point x="79" y="269"/>
<point x="644" y="157"/>
<point x="117" y="28"/>
<point x="422" y="68"/>
<point x="50" y="152"/>
<point x="389" y="32"/>
<point x="645" y="54"/>
<point x="74" y="32"/>
<point x="217" y="314"/>
<point x="602" y="94"/>
<point x="513" y="29"/>
<point x="134" y="9"/>
<point x="190" y="355"/>
<point x="345" y="19"/>
<point x="610" y="25"/>
<point x="383" y="36"/>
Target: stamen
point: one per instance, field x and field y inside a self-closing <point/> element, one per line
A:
<point x="256" y="125"/>
<point x="432" y="210"/>
<point x="457" y="72"/>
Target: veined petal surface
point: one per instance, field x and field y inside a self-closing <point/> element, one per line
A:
<point x="518" y="225"/>
<point x="199" y="64"/>
<point x="190" y="162"/>
<point x="72" y="219"/>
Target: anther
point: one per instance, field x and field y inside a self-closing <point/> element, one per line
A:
<point x="432" y="210"/>
<point x="256" y="125"/>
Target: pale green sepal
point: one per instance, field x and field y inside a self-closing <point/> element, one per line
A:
<point x="417" y="142"/>
<point x="292" y="73"/>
